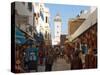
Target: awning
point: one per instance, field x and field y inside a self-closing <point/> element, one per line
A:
<point x="32" y="49"/>
<point x="19" y="36"/>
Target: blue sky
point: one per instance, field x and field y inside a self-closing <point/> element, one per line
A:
<point x="66" y="12"/>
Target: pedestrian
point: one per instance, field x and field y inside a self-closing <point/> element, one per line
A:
<point x="90" y="59"/>
<point x="49" y="61"/>
<point x="76" y="62"/>
<point x="82" y="56"/>
<point x="68" y="65"/>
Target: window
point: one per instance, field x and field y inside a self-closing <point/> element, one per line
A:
<point x="46" y="19"/>
<point x="23" y="3"/>
<point x="30" y="6"/>
<point x="46" y="34"/>
<point x="34" y="14"/>
<point x="57" y="32"/>
<point x="41" y="14"/>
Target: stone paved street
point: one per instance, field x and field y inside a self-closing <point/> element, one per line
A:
<point x="60" y="64"/>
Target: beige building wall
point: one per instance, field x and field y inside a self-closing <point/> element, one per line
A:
<point x="73" y="25"/>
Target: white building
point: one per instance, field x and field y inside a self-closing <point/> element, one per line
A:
<point x="42" y="21"/>
<point x="57" y="29"/>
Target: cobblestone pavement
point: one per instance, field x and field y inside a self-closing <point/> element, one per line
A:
<point x="61" y="64"/>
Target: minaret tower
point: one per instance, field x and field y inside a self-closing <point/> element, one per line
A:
<point x="57" y="28"/>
